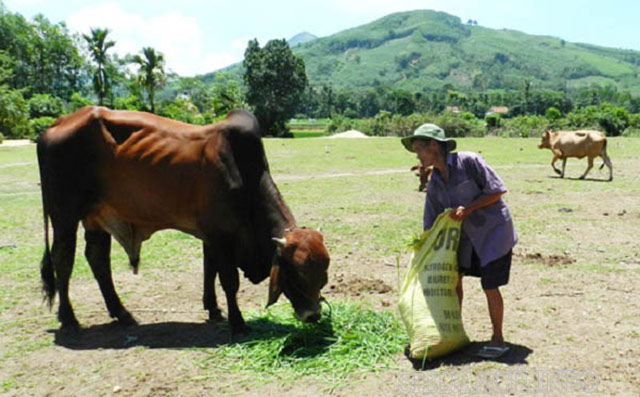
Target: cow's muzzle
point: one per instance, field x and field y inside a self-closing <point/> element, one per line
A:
<point x="310" y="316"/>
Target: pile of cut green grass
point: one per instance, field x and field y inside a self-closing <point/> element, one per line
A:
<point x="348" y="340"/>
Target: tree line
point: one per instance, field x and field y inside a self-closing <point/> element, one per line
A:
<point x="524" y="112"/>
<point x="47" y="71"/>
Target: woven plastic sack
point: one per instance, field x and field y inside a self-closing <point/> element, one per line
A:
<point x="428" y="302"/>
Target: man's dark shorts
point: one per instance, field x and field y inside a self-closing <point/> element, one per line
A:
<point x="493" y="275"/>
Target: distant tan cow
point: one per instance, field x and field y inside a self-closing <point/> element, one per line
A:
<point x="578" y="144"/>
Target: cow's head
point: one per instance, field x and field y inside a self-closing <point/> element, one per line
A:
<point x="545" y="140"/>
<point x="300" y="271"/>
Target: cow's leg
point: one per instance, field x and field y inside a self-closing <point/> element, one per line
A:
<point x="607" y="161"/>
<point x="589" y="166"/>
<point x="230" y="283"/>
<point x="553" y="164"/>
<point x="62" y="255"/>
<point x="97" y="253"/>
<point x="564" y="164"/>
<point x="209" y="292"/>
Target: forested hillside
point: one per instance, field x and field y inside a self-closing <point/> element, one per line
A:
<point x="425" y="50"/>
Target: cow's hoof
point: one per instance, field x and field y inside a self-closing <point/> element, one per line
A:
<point x="240" y="331"/>
<point x="71" y="330"/>
<point x="126" y="319"/>
<point x="558" y="172"/>
<point x="215" y="316"/>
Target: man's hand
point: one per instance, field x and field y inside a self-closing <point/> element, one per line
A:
<point x="461" y="213"/>
<point x="458" y="214"/>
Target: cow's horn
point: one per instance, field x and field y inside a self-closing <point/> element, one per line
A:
<point x="280" y="241"/>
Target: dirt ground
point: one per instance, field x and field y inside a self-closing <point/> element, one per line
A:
<point x="583" y="323"/>
<point x="557" y="318"/>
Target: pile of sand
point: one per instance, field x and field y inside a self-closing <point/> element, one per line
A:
<point x="350" y="134"/>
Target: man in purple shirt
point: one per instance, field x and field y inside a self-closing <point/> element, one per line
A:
<point x="466" y="184"/>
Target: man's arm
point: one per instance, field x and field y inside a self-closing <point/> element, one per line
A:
<point x="461" y="213"/>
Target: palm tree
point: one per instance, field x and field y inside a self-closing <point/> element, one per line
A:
<point x="98" y="46"/>
<point x="151" y="74"/>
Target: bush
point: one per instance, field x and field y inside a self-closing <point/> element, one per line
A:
<point x="455" y="125"/>
<point x="552" y="114"/>
<point x="14" y="113"/>
<point x="129" y="102"/>
<point x="44" y="105"/>
<point x="338" y="124"/>
<point x="404" y="125"/>
<point x="350" y="113"/>
<point x="492" y="120"/>
<point x="182" y="110"/>
<point x="1" y="138"/>
<point x="468" y="116"/>
<point x="631" y="132"/>
<point x="77" y="101"/>
<point x="387" y="124"/>
<point x="613" y="119"/>
<point x="39" y="125"/>
<point x="523" y="126"/>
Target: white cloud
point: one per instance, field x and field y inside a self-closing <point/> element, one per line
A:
<point x="175" y="35"/>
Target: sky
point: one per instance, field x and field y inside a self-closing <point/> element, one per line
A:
<point x="201" y="36"/>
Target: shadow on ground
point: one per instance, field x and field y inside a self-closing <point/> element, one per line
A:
<point x="181" y="335"/>
<point x="590" y="179"/>
<point x="517" y="355"/>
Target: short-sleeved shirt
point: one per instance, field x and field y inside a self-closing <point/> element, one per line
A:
<point x="490" y="229"/>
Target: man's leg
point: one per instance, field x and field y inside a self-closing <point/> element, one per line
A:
<point x="496" y="312"/>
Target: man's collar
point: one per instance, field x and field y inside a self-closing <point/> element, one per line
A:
<point x="449" y="159"/>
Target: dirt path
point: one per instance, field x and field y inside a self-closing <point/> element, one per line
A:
<point x="288" y="178"/>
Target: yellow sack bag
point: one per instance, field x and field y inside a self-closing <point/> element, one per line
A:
<point x="428" y="302"/>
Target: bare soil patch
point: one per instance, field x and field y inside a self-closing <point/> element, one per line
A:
<point x="357" y="286"/>
<point x="548" y="260"/>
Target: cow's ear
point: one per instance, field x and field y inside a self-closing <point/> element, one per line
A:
<point x="275" y="290"/>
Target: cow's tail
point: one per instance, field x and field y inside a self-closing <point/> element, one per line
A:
<point x="46" y="267"/>
<point x="47" y="274"/>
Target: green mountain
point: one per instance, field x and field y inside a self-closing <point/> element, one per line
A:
<point x="421" y="50"/>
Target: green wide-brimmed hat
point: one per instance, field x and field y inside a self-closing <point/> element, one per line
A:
<point x="429" y="131"/>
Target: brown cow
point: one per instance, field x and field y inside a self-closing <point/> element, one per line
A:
<point x="578" y="144"/>
<point x="129" y="174"/>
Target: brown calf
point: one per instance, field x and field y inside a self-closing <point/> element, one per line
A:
<point x="424" y="173"/>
